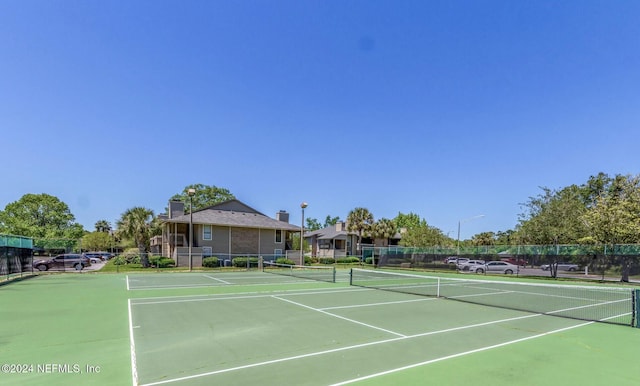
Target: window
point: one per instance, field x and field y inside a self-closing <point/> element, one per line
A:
<point x="207" y="251"/>
<point x="278" y="235"/>
<point x="324" y="244"/>
<point x="206" y="232"/>
<point x="277" y="252"/>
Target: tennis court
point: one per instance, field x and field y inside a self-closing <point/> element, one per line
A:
<point x="244" y="328"/>
<point x="323" y="336"/>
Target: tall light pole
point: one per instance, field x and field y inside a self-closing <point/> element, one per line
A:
<point x="463" y="221"/>
<point x="191" y="193"/>
<point x="302" y="206"/>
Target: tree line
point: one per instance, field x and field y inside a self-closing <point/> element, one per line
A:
<point x="604" y="210"/>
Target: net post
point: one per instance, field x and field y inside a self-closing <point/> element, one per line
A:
<point x="635" y="322"/>
<point x="334" y="274"/>
<point x="438" y="289"/>
<point x="351" y="276"/>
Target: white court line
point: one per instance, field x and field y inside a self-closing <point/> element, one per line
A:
<point x="128" y="289"/>
<point x="132" y="347"/>
<point x="357" y="346"/>
<point x="239" y="295"/>
<point x="187" y="286"/>
<point x="377" y="304"/>
<point x="459" y="355"/>
<point x="220" y="280"/>
<point x="341" y="317"/>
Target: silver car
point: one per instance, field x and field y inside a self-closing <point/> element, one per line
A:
<point x="494" y="267"/>
<point x="561" y="267"/>
<point x="464" y="266"/>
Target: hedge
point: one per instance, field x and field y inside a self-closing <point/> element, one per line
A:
<point x="348" y="260"/>
<point x="210" y="262"/>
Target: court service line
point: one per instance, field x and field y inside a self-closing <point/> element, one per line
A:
<point x="215" y="278"/>
<point x="212" y="285"/>
<point x="335" y="350"/>
<point x="377" y="304"/>
<point x="340" y="317"/>
<point x="458" y="355"/>
<point x="132" y="347"/>
<point x="236" y="295"/>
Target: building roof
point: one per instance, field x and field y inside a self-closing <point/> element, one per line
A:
<point x="328" y="233"/>
<point x="233" y="213"/>
<point x="331" y="233"/>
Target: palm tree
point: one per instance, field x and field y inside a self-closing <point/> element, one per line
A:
<point x="384" y="229"/>
<point x="359" y="220"/>
<point x="136" y="223"/>
<point x="102" y="226"/>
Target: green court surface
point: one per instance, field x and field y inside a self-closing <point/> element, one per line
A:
<point x="250" y="328"/>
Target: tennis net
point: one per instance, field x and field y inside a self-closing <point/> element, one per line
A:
<point x="592" y="303"/>
<point x="319" y="273"/>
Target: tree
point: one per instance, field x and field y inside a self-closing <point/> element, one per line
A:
<point x="615" y="217"/>
<point x="330" y="221"/>
<point x="424" y="236"/>
<point x="554" y="217"/>
<point x="360" y="221"/>
<point x="409" y="221"/>
<point x="484" y="238"/>
<point x="103" y="226"/>
<point x="97" y="241"/>
<point x="136" y="223"/>
<point x="204" y="197"/>
<point x="40" y="216"/>
<point x="312" y="224"/>
<point x="505" y="238"/>
<point x="384" y="229"/>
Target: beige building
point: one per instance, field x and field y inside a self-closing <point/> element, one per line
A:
<point x="225" y="230"/>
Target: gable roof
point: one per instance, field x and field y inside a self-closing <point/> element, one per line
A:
<point x="233" y="213"/>
<point x="329" y="233"/>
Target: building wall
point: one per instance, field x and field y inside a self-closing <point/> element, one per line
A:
<point x="229" y="240"/>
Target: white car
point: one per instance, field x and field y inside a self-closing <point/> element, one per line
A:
<point x="561" y="267"/>
<point x="494" y="267"/>
<point x="455" y="260"/>
<point x="464" y="266"/>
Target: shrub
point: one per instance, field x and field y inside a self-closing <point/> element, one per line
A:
<point x="210" y="262"/>
<point x="161" y="262"/>
<point x="130" y="256"/>
<point x="348" y="260"/>
<point x="284" y="260"/>
<point x="326" y="260"/>
<point x="119" y="260"/>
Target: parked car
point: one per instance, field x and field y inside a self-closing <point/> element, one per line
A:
<point x="455" y="260"/>
<point x="561" y="267"/>
<point x="494" y="267"/>
<point x="464" y="266"/>
<point x="95" y="257"/>
<point x="67" y="260"/>
<point x="514" y="261"/>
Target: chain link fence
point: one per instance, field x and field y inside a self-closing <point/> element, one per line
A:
<point x="622" y="259"/>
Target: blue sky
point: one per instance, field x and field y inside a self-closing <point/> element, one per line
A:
<point x="447" y="109"/>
